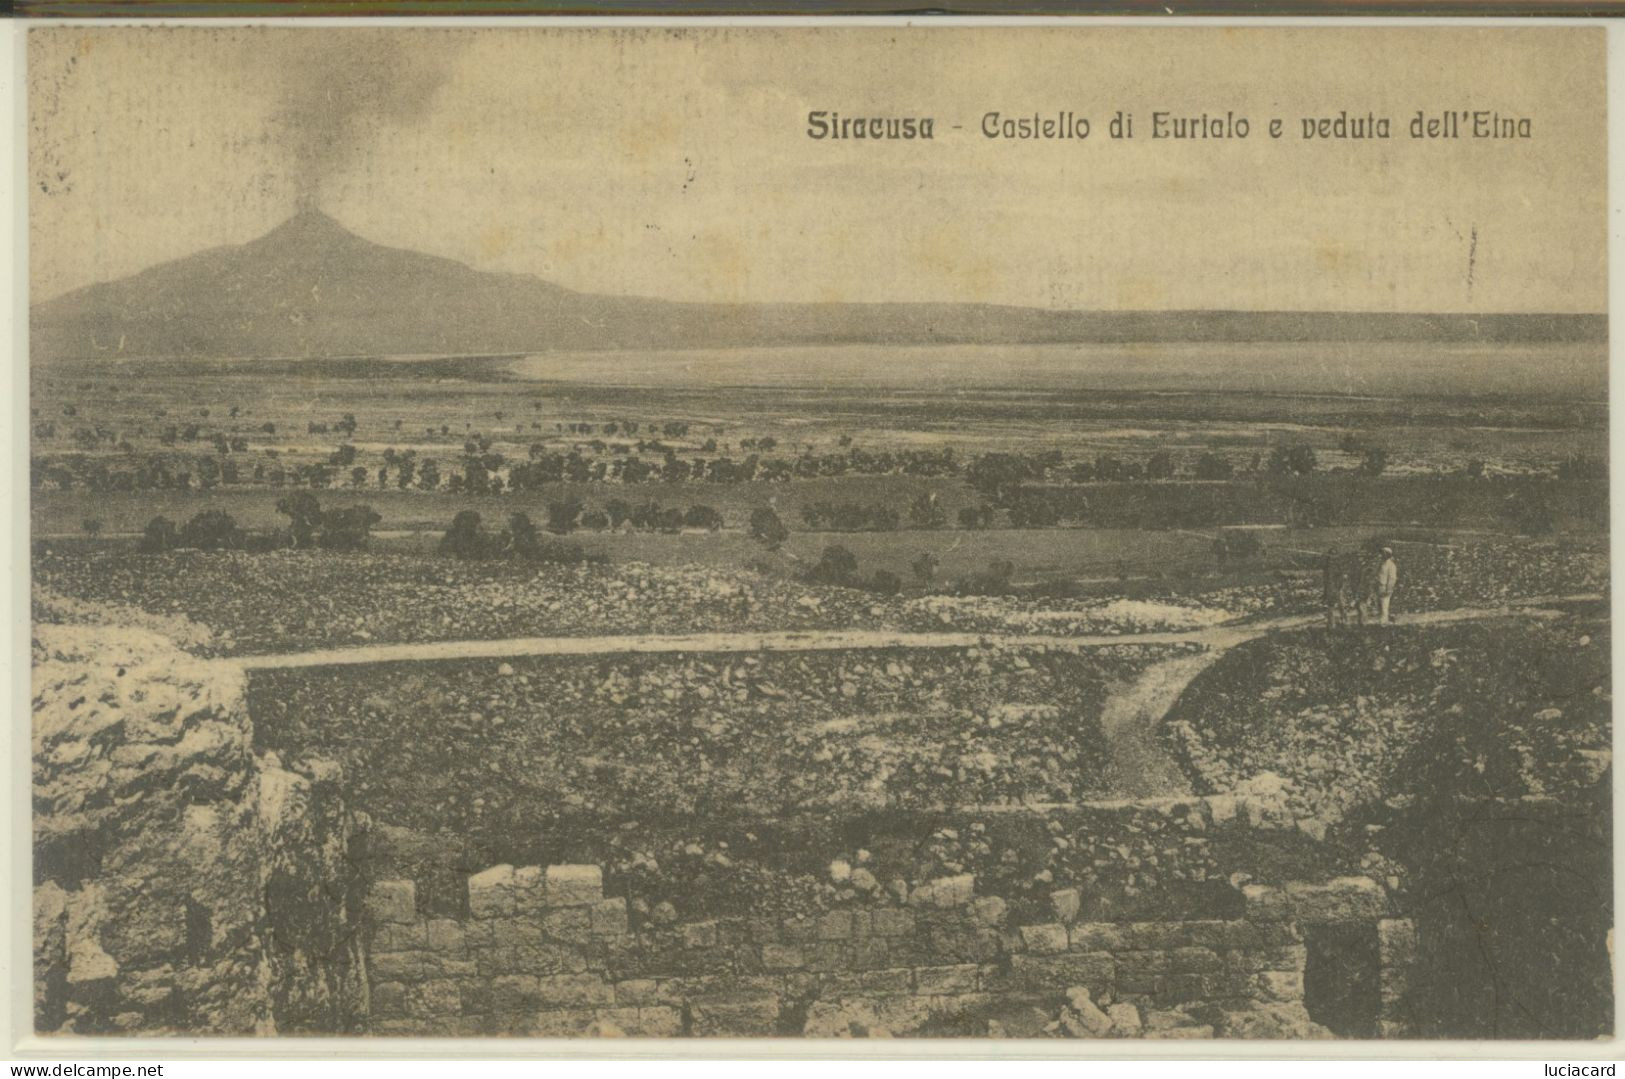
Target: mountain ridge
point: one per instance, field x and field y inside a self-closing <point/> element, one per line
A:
<point x="311" y="288"/>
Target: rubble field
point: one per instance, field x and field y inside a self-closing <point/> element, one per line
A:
<point x="793" y="781"/>
<point x="288" y="601"/>
<point x="1467" y="768"/>
<point x="332" y="599"/>
<point x="1336" y="715"/>
<point x="493" y="743"/>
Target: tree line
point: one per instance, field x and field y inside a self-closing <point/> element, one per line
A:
<point x="481" y="470"/>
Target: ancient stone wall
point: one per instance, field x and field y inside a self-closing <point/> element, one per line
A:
<point x="182" y="883"/>
<point x="543" y="952"/>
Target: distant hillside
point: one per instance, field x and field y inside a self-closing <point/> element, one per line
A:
<point x="311" y="288"/>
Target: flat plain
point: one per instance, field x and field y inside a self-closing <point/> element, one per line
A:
<point x="911" y="619"/>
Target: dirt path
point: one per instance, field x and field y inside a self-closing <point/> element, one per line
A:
<point x="1136" y="765"/>
<point x="790" y="641"/>
<point x="1213" y="637"/>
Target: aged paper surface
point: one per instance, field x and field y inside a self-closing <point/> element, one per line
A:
<point x="1070" y="532"/>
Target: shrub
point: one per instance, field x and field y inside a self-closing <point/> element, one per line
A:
<point x="520" y="540"/>
<point x="563" y="516"/>
<point x="767" y="529"/>
<point x="706" y="517"/>
<point x="304" y="515"/>
<point x="1034" y="510"/>
<point x="992" y="474"/>
<point x="347" y="529"/>
<point x="464" y="540"/>
<point x="837" y="566"/>
<point x="159" y="536"/>
<point x="211" y="530"/>
<point x="1298" y="459"/>
<point x="925" y="512"/>
<point x="851" y="517"/>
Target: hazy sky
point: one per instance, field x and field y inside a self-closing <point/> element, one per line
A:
<point x="677" y="163"/>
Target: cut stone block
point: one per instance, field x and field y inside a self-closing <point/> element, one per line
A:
<point x="574" y="990"/>
<point x="945" y="892"/>
<point x="609" y="918"/>
<point x="574" y="885"/>
<point x="491" y="893"/>
<point x="393" y="901"/>
<point x="735" y="1016"/>
<point x="782" y="957"/>
<point x="446" y="936"/>
<point x="1049" y="939"/>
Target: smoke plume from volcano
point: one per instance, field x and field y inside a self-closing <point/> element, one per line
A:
<point x="340" y="95"/>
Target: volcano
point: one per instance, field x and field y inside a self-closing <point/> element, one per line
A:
<point x="311" y="288"/>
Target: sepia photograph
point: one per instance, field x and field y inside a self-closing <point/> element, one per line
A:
<point x="1065" y="533"/>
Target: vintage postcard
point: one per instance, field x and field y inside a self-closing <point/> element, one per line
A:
<point x="1052" y="532"/>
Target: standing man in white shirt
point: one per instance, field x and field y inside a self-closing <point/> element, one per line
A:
<point x="1387" y="578"/>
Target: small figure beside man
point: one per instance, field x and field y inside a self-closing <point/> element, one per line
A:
<point x="1337" y="590"/>
<point x="1350" y="581"/>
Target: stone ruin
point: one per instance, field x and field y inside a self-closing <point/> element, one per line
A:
<point x="185" y="883"/>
